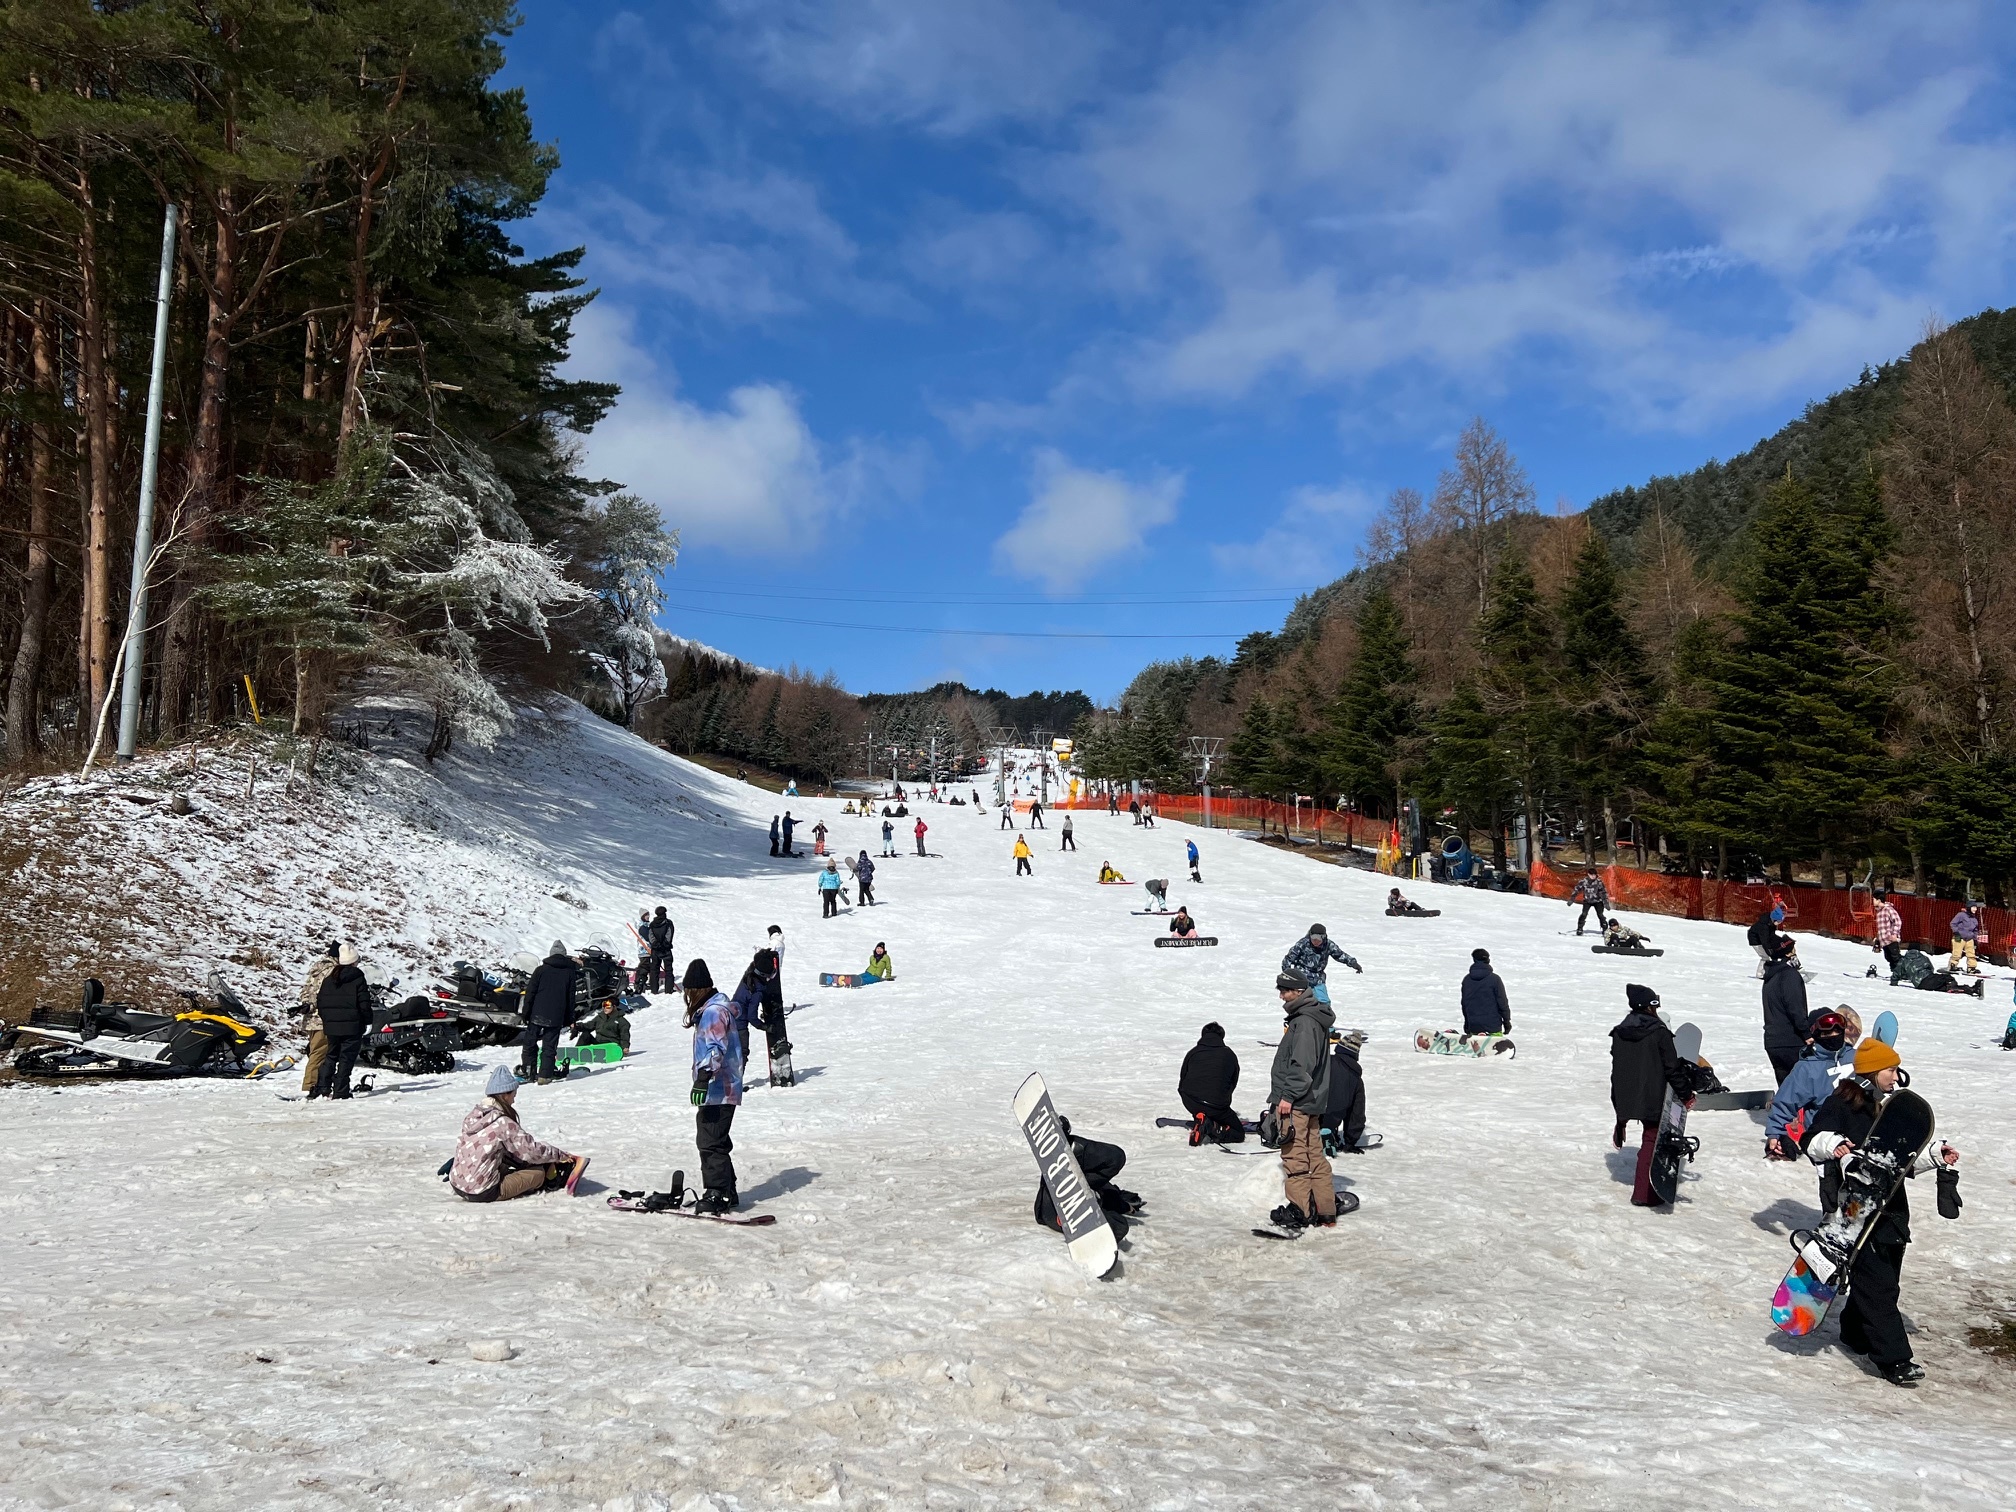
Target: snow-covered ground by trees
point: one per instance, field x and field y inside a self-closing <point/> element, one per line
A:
<point x="216" y="1298"/>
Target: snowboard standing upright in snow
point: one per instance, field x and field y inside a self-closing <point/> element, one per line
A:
<point x="1080" y="1216"/>
<point x="1673" y="1147"/>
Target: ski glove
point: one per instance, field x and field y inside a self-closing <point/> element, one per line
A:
<point x="700" y="1089"/>
<point x="1357" y="968"/>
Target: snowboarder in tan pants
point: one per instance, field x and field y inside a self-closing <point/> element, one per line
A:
<point x="1299" y="1089"/>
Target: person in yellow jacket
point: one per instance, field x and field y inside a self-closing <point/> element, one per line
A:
<point x="1022" y="867"/>
<point x="1108" y="874"/>
<point x="880" y="966"/>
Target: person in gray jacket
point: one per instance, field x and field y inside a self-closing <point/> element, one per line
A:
<point x="1299" y="1090"/>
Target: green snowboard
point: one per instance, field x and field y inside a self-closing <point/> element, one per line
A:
<point x="590" y="1055"/>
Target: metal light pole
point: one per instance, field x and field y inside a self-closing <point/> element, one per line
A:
<point x="150" y="474"/>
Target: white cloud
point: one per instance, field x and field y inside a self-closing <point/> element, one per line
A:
<point x="1308" y="542"/>
<point x="749" y="476"/>
<point x="1077" y="520"/>
<point x="949" y="65"/>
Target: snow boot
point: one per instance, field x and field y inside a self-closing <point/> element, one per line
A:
<point x="1904" y="1373"/>
<point x="716" y="1202"/>
<point x="1197" y="1131"/>
<point x="1321" y="1220"/>
<point x="1289" y="1217"/>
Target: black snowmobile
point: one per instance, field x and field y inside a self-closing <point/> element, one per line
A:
<point x="487" y="1007"/>
<point x="602" y="977"/>
<point x="409" y="1034"/>
<point x="212" y="1035"/>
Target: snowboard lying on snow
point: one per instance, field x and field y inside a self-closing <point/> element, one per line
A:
<point x="588" y="1055"/>
<point x="1366" y="1141"/>
<point x="1080" y="1215"/>
<point x="1455" y="1042"/>
<point x="1870" y="1177"/>
<point x="847" y="979"/>
<point x="1415" y="913"/>
<point x="1624" y="950"/>
<point x="678" y="1203"/>
<point x="1347" y="1202"/>
<point x="1173" y="942"/>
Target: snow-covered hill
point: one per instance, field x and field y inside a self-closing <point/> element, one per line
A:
<point x="216" y="1298"/>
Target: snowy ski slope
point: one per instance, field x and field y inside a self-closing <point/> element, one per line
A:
<point x="218" y="1299"/>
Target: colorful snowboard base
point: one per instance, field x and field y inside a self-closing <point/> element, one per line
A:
<point x="588" y="1055"/>
<point x="1455" y="1042"/>
<point x="1801" y="1302"/>
<point x="847" y="979"/>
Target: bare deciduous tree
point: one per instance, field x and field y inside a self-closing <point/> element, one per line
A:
<point x="1483" y="487"/>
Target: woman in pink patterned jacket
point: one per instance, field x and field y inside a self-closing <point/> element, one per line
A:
<point x="495" y="1159"/>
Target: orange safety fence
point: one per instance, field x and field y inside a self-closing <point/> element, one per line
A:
<point x="1326" y="825"/>
<point x="1847" y="913"/>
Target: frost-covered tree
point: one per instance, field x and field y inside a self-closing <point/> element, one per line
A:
<point x="627" y="550"/>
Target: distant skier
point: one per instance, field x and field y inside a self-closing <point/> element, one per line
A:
<point x="1183" y="926"/>
<point x="1398" y="907"/>
<point x="1870" y="1324"/>
<point x="1810" y="1083"/>
<point x="1486" y="1009"/>
<point x="658" y="935"/>
<point x="1299" y="1091"/>
<point x="1134" y="808"/>
<point x="1065" y="840"/>
<point x="1310" y="958"/>
<point x="717" y="1085"/>
<point x="1915" y="967"/>
<point x="829" y="889"/>
<point x="1148" y="815"/>
<point x="1591" y="894"/>
<point x="1113" y="802"/>
<point x="1889" y="922"/>
<point x="789" y="825"/>
<point x="1022" y="867"/>
<point x="888" y="838"/>
<point x="1209" y="1077"/>
<point x="1786" y="1020"/>
<point x="1007" y="815"/>
<point x="921" y="827"/>
<point x="864" y="878"/>
<point x="1617" y="935"/>
<point x="1344" y="1111"/>
<point x="1157" y="889"/>
<point x="1643" y="1065"/>
<point x="1764" y="936"/>
<point x="1966" y="928"/>
<point x="776" y="846"/>
<point x="819" y="838"/>
<point x="1036" y="814"/>
<point x="1108" y="874"/>
<point x="1190" y="854"/>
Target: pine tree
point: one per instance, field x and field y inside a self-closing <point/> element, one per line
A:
<point x="1465" y="768"/>
<point x="1373" y="721"/>
<point x="1252" y="758"/>
<point x="1518" y="688"/>
<point x="1605" y="691"/>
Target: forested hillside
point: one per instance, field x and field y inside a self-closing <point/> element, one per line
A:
<point x="1805" y="654"/>
<point x="367" y="447"/>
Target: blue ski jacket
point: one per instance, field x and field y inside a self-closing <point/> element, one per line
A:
<point x="717" y="1050"/>
<point x="1809" y="1083"/>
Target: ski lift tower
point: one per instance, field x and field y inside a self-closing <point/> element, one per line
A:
<point x="1040" y="739"/>
<point x="1203" y="751"/>
<point x="1004" y="737"/>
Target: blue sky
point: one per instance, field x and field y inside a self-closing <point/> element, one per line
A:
<point x="1009" y="315"/>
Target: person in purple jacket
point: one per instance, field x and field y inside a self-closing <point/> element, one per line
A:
<point x="717" y="1085"/>
<point x="1966" y="928"/>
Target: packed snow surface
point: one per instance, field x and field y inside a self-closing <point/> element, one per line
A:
<point x="219" y="1299"/>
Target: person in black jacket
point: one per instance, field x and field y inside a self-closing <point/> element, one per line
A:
<point x="1485" y="1008"/>
<point x="1787" y="1026"/>
<point x="658" y="965"/>
<point x="343" y="1002"/>
<point x="1870" y="1324"/>
<point x="776" y="849"/>
<point x="549" y="1008"/>
<point x="1209" y="1077"/>
<point x="1344" y="1113"/>
<point x="1764" y="937"/>
<point x="1643" y="1064"/>
<point x="1101" y="1163"/>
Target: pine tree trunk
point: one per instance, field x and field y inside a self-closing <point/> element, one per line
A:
<point x="1610" y="833"/>
<point x="24" y="717"/>
<point x="91" y="385"/>
<point x="1826" y="869"/>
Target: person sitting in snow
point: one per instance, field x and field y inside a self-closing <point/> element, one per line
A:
<point x="495" y="1159"/>
<point x="880" y="966"/>
<point x="1398" y="907"/>
<point x="1209" y="1077"/>
<point x="1183" y="926"/>
<point x="1100" y="1163"/>
<point x="607" y="1025"/>
<point x="1617" y="935"/>
<point x="1343" y="1122"/>
<point x="1108" y="874"/>
<point x="1915" y="967"/>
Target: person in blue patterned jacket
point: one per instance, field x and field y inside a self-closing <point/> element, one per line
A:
<point x="1310" y="957"/>
<point x="717" y="1084"/>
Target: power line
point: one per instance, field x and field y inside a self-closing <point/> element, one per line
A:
<point x="780" y="619"/>
<point x="1116" y="601"/>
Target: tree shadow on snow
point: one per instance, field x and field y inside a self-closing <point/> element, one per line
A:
<point x="790" y="1179"/>
<point x="1785" y="1216"/>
